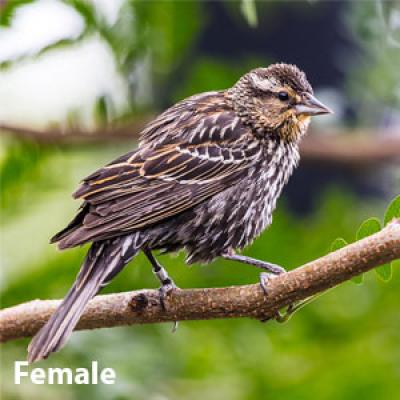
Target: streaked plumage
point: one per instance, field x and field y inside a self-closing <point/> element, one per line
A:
<point x="205" y="177"/>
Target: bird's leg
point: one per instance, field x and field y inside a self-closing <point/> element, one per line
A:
<point x="273" y="269"/>
<point x="266" y="266"/>
<point x="167" y="284"/>
<point x="265" y="277"/>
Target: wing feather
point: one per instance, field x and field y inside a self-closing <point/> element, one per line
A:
<point x="159" y="181"/>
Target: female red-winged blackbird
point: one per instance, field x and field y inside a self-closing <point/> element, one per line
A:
<point x="205" y="177"/>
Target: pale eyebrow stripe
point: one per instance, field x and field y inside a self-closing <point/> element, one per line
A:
<point x="264" y="84"/>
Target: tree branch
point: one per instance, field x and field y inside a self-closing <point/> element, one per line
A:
<point x="229" y="302"/>
<point x="340" y="147"/>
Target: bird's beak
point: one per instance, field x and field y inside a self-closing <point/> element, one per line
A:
<point x="310" y="105"/>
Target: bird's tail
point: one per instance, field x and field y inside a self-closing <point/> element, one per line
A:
<point x="103" y="261"/>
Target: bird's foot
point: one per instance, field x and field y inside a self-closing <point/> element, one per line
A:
<point x="265" y="278"/>
<point x="165" y="290"/>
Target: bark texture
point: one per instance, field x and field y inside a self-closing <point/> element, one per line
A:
<point x="143" y="306"/>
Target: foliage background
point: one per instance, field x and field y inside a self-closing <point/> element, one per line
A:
<point x="346" y="344"/>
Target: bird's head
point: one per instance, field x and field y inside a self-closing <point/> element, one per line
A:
<point x="278" y="100"/>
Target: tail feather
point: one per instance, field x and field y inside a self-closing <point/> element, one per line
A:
<point x="103" y="262"/>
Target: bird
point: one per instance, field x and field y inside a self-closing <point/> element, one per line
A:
<point x="205" y="177"/>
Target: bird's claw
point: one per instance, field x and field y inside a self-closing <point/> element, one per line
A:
<point x="175" y="326"/>
<point x="293" y="308"/>
<point x="284" y="317"/>
<point x="265" y="278"/>
<point x="164" y="291"/>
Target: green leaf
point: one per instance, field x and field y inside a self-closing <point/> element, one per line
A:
<point x="384" y="272"/>
<point x="248" y="8"/>
<point x="338" y="244"/>
<point x="368" y="227"/>
<point x="393" y="211"/>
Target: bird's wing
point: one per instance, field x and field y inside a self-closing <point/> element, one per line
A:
<point x="154" y="183"/>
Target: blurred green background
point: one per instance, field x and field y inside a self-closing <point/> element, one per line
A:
<point x="75" y="76"/>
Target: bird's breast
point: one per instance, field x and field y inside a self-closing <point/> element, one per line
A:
<point x="241" y="213"/>
<point x="265" y="187"/>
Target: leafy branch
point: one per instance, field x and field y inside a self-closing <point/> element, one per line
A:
<point x="300" y="284"/>
<point x="369" y="227"/>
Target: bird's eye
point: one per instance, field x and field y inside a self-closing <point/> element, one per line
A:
<point x="283" y="96"/>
